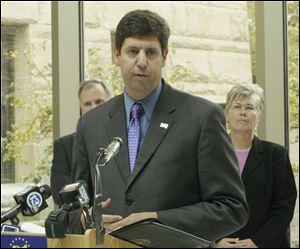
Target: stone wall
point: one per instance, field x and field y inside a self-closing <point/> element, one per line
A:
<point x="209" y="39"/>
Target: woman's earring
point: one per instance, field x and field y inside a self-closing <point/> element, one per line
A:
<point x="227" y="126"/>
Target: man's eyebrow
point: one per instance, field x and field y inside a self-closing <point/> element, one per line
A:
<point x="132" y="47"/>
<point x="135" y="47"/>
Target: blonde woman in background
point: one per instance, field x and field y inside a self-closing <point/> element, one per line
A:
<point x="266" y="172"/>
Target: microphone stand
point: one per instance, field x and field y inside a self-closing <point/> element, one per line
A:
<point x="11" y="215"/>
<point x="102" y="159"/>
<point x="97" y="206"/>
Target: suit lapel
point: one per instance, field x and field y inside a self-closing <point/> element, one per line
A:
<point x="117" y="128"/>
<point x="160" y="124"/>
<point x="254" y="158"/>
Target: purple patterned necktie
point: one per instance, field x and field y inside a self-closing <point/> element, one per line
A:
<point x="134" y="133"/>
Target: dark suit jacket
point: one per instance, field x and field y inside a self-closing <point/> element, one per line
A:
<point x="271" y="194"/>
<point x="186" y="172"/>
<point x="61" y="165"/>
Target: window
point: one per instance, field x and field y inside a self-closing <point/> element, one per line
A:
<point x="26" y="98"/>
<point x="204" y="59"/>
<point x="7" y="93"/>
<point x="293" y="52"/>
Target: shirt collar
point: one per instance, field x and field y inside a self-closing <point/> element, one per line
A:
<point x="148" y="103"/>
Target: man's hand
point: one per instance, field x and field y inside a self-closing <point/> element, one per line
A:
<point x="106" y="204"/>
<point x="246" y="243"/>
<point x="108" y="219"/>
<point x="132" y="218"/>
<point x="228" y="243"/>
<point x="114" y="222"/>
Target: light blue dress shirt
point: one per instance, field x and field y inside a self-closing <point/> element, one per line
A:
<point x="148" y="104"/>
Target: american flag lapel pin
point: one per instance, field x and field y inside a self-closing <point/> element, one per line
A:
<point x="164" y="125"/>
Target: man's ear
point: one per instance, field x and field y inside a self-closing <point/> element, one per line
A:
<point x="117" y="54"/>
<point x="164" y="55"/>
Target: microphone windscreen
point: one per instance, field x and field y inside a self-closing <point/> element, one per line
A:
<point x="46" y="191"/>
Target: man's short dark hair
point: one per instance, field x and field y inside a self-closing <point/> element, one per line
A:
<point x="139" y="23"/>
<point x="91" y="83"/>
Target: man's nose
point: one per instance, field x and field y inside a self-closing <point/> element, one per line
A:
<point x="142" y="59"/>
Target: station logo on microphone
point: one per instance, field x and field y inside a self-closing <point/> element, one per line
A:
<point x="34" y="200"/>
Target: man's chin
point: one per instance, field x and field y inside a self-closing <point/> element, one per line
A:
<point x="140" y="86"/>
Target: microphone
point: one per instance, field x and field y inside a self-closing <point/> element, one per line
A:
<point x="73" y="196"/>
<point x="75" y="192"/>
<point x="30" y="201"/>
<point x="112" y="149"/>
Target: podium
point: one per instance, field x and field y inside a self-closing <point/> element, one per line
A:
<point x="146" y="233"/>
<point x="88" y="240"/>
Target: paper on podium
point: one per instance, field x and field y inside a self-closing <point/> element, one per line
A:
<point x="152" y="234"/>
<point x="30" y="227"/>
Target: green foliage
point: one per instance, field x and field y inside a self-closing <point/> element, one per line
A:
<point x="34" y="99"/>
<point x="294" y="103"/>
<point x="293" y="33"/>
<point x="180" y="74"/>
<point x="43" y="168"/>
<point x="293" y="50"/>
<point x="252" y="36"/>
<point x="97" y="68"/>
<point x="295" y="168"/>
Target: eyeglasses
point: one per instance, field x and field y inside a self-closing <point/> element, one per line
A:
<point x="239" y="107"/>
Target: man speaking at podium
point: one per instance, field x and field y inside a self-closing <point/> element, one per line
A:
<point x="177" y="163"/>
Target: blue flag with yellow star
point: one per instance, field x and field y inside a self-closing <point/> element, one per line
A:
<point x="23" y="241"/>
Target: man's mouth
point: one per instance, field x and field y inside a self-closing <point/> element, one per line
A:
<point x="140" y="76"/>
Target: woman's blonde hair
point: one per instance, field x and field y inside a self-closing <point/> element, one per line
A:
<point x="246" y="90"/>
